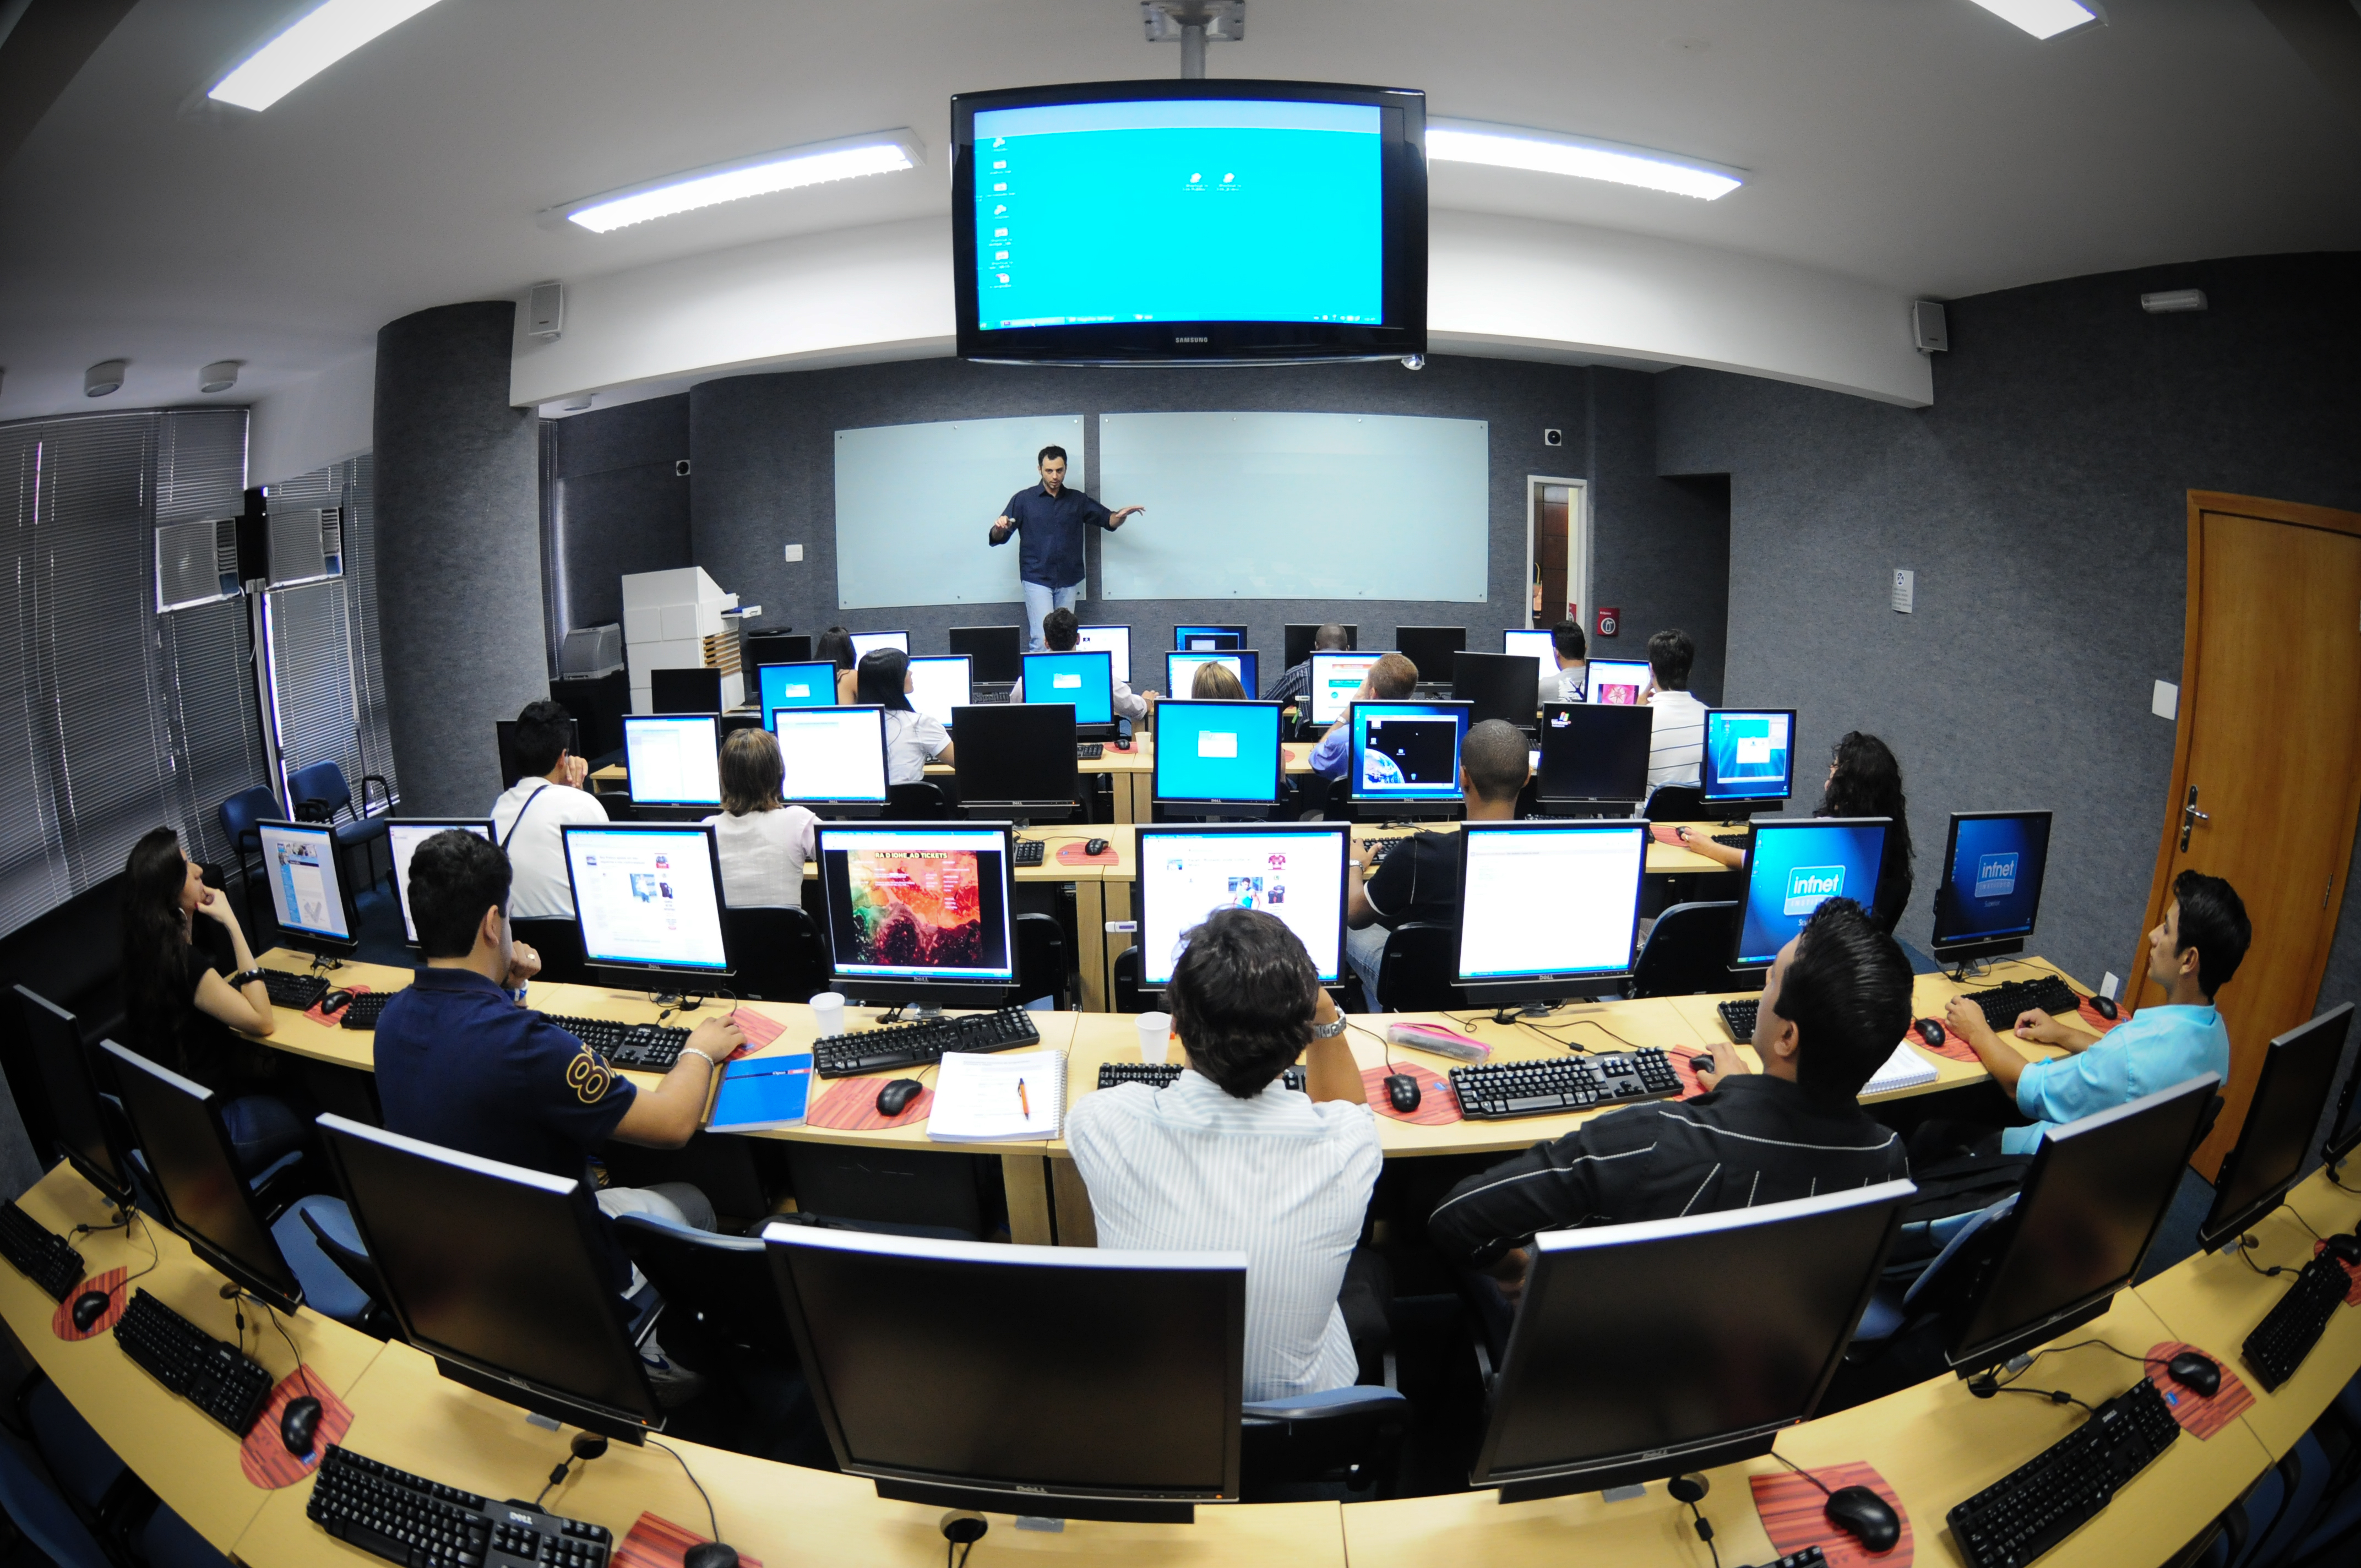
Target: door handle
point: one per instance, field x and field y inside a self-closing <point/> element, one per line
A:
<point x="2191" y="817"/>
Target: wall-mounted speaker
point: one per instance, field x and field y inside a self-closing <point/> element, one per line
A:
<point x="545" y="315"/>
<point x="1927" y="333"/>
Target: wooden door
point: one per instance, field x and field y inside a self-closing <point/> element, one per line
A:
<point x="2267" y="769"/>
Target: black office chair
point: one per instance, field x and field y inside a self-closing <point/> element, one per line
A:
<point x="1127" y="997"/>
<point x="1342" y="1443"/>
<point x="1676" y="803"/>
<point x="1041" y="967"/>
<point x="1687" y="951"/>
<point x="724" y="1282"/>
<point x="1415" y="975"/>
<point x="320" y="794"/>
<point x="920" y="802"/>
<point x="349" y="1289"/>
<point x="777" y="953"/>
<point x="558" y="941"/>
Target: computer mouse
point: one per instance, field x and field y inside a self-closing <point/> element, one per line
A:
<point x="1866" y="1516"/>
<point x="297" y="1423"/>
<point x="2344" y="1247"/>
<point x="895" y="1097"/>
<point x="1401" y="1093"/>
<point x="335" y="1001"/>
<point x="1931" y="1031"/>
<point x="2105" y="1006"/>
<point x="709" y="1554"/>
<point x="88" y="1307"/>
<point x="1095" y="847"/>
<point x="2196" y="1372"/>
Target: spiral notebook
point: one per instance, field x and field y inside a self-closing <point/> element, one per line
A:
<point x="998" y="1099"/>
<point x="1906" y="1068"/>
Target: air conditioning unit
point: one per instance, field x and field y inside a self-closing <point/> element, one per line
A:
<point x="196" y="563"/>
<point x="307" y="545"/>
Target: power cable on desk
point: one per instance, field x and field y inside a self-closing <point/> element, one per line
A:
<point x="712" y="1525"/>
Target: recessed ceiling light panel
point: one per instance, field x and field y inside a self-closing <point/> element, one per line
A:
<point x="2044" y="18"/>
<point x="320" y="38"/>
<point x="1581" y="158"/>
<point x="790" y="169"/>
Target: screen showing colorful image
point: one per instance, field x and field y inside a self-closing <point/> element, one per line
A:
<point x="672" y="761"/>
<point x="1295" y="873"/>
<point x="867" y="642"/>
<point x="1619" y="682"/>
<point x="300" y="863"/>
<point x="647" y="897"/>
<point x="1407" y="751"/>
<point x="795" y="685"/>
<point x="1216" y="751"/>
<point x="1992" y="886"/>
<point x="1588" y="878"/>
<point x="1534" y="645"/>
<point x="1748" y="755"/>
<point x="1084" y="679"/>
<point x="1180" y="671"/>
<point x="1335" y="680"/>
<point x="831" y="754"/>
<point x="1793" y="868"/>
<point x="940" y="683"/>
<point x="404" y="838"/>
<point x="924" y="902"/>
<point x="1115" y="641"/>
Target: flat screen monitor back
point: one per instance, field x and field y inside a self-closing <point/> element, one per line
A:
<point x="691" y="690"/>
<point x="1017" y="759"/>
<point x="1497" y="685"/>
<point x="2275" y="1143"/>
<point x="78" y="1119"/>
<point x="993" y="651"/>
<point x="1296" y="640"/>
<point x="2345" y="1131"/>
<point x="1591" y="754"/>
<point x="1430" y="648"/>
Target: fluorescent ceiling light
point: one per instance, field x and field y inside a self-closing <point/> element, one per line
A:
<point x="2043" y="18"/>
<point x="814" y="164"/>
<point x="323" y="38"/>
<point x="1546" y="152"/>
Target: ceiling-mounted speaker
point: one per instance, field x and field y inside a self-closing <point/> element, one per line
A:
<point x="1927" y="333"/>
<point x="104" y="378"/>
<point x="219" y="376"/>
<point x="545" y="315"/>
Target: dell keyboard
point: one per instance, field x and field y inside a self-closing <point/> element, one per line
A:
<point x="1028" y="851"/>
<point x="295" y="991"/>
<point x="922" y="1042"/>
<point x="217" y="1377"/>
<point x="1089" y="751"/>
<point x="2004" y="1003"/>
<point x="363" y="1011"/>
<point x="44" y="1258"/>
<point x="418" y="1523"/>
<point x="1161" y="1074"/>
<point x="2061" y="1489"/>
<point x="1738" y="1017"/>
<point x="1498" y="1091"/>
<point x="991" y="691"/>
<point x="2296" y="1322"/>
<point x="637" y="1048"/>
<point x="1731" y="840"/>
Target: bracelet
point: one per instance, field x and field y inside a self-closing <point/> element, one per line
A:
<point x="1329" y="1031"/>
<point x="245" y="978"/>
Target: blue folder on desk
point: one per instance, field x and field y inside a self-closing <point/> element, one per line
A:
<point x="758" y="1093"/>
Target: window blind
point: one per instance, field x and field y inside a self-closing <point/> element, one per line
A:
<point x="327" y="678"/>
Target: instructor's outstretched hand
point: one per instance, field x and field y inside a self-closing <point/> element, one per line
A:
<point x="1001" y="529"/>
<point x="1116" y="518"/>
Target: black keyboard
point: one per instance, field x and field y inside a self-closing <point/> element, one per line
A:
<point x="2005" y="1001"/>
<point x="641" y="1047"/>
<point x="2295" y="1322"/>
<point x="1738" y="1017"/>
<point x="990" y="691"/>
<point x="212" y="1375"/>
<point x="1161" y="1074"/>
<point x="1734" y="840"/>
<point x="38" y="1254"/>
<point x="922" y="1042"/>
<point x="363" y="1011"/>
<point x="295" y="991"/>
<point x="418" y="1523"/>
<point x="1028" y="851"/>
<point x="2061" y="1489"/>
<point x="1810" y="1557"/>
<point x="1501" y="1090"/>
<point x="1089" y="751"/>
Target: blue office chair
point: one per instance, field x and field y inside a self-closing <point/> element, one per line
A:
<point x="238" y="815"/>
<point x="1341" y="1443"/>
<point x="1687" y="952"/>
<point x="109" y="1503"/>
<point x="41" y="1515"/>
<point x="320" y="794"/>
<point x="329" y="1288"/>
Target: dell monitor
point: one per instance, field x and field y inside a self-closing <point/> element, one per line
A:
<point x="648" y="900"/>
<point x="2092" y="1202"/>
<point x="1430" y="648"/>
<point x="1016" y="760"/>
<point x="1497" y="685"/>
<point x="1404" y="761"/>
<point x="1208" y="639"/>
<point x="403" y="836"/>
<point x="1793" y="866"/>
<point x="1538" y="646"/>
<point x="940" y="683"/>
<point x="795" y="685"/>
<point x="1593" y="756"/>
<point x="79" y="1123"/>
<point x="919" y="911"/>
<point x="2274" y="1142"/>
<point x="867" y="642"/>
<point x="1217" y="759"/>
<point x="1180" y="671"/>
<point x="194" y="1166"/>
<point x="993" y="649"/>
<point x="505" y="1276"/>
<point x="673" y="760"/>
<point x="1295" y="871"/>
<point x="1617" y="683"/>
<point x="694" y="689"/>
<point x="1114" y="641"/>
<point x="1335" y="681"/>
<point x="1646" y="1351"/>
<point x="1586" y="874"/>
<point x="2345" y="1131"/>
<point x="1991" y="892"/>
<point x="308" y="896"/>
<point x="1134" y="1416"/>
<point x="834" y="759"/>
<point x="1082" y="681"/>
<point x="1749" y="759"/>
<point x="1296" y="640"/>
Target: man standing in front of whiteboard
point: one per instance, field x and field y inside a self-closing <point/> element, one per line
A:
<point x="1052" y="519"/>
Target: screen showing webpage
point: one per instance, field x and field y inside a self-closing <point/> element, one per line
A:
<point x="795" y="686"/>
<point x="647" y="897"/>
<point x="1216" y="751"/>
<point x="1407" y="753"/>
<point x="1335" y="680"/>
<point x="1532" y="645"/>
<point x="1113" y="641"/>
<point x="1993" y="886"/>
<point x="918" y="903"/>
<point x="1297" y="874"/>
<point x="1086" y="680"/>
<point x="1748" y="754"/>
<point x="867" y="642"/>
<point x="1180" y="671"/>
<point x="939" y="684"/>
<point x="1795" y="869"/>
<point x="304" y="892"/>
<point x="1618" y="683"/>
<point x="404" y="838"/>
<point x="831" y="754"/>
<point x="673" y="761"/>
<point x="1587" y="878"/>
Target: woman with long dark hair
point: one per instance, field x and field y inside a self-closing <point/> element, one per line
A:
<point x="835" y="646"/>
<point x="912" y="739"/>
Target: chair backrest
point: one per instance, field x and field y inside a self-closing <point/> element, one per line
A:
<point x="1127" y="982"/>
<point x="1687" y="951"/>
<point x="323" y="782"/>
<point x="724" y="1280"/>
<point x="1344" y="1436"/>
<point x="44" y="1518"/>
<point x="240" y="814"/>
<point x="1415" y="974"/>
<point x="920" y="802"/>
<point x="777" y="953"/>
<point x="558" y="941"/>
<point x="1676" y="803"/>
<point x="1041" y="959"/>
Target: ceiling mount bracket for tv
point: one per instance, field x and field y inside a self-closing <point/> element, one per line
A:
<point x="1193" y="24"/>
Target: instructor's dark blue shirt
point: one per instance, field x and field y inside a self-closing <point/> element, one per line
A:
<point x="1049" y="531"/>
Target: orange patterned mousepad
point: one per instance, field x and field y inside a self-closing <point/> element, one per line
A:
<point x="1956" y="1048"/>
<point x="330" y="1020"/>
<point x="2200" y="1416"/>
<point x="850" y="1106"/>
<point x="264" y="1457"/>
<point x="1693" y="1083"/>
<point x="1071" y="854"/>
<point x="61" y="1320"/>
<point x="658" y="1542"/>
<point x="1437" y="1106"/>
<point x="2089" y="1017"/>
<point x="759" y="1029"/>
<point x="2353" y="1271"/>
<point x="1795" y="1515"/>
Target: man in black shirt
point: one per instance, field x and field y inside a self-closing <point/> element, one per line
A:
<point x="1054" y="520"/>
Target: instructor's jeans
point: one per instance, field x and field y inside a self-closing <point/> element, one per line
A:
<point x="1039" y="601"/>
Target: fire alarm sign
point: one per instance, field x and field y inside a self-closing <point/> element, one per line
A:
<point x="1610" y="620"/>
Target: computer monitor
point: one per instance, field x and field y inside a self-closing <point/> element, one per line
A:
<point x="1335" y="681"/>
<point x="1591" y="755"/>
<point x="1497" y="685"/>
<point x="1217" y="759"/>
<point x="776" y="647"/>
<point x="1536" y="645"/>
<point x="404" y="835"/>
<point x="648" y="898"/>
<point x="1617" y="683"/>
<point x="940" y="683"/>
<point x="673" y="758"/>
<point x="1082" y="679"/>
<point x="499" y="1273"/>
<point x="1115" y="641"/>
<point x="690" y="690"/>
<point x="926" y="1384"/>
<point x="1650" y="1350"/>
<point x="1586" y="874"/>
<point x="2344" y="1130"/>
<point x="867" y="642"/>
<point x="1209" y="638"/>
<point x="308" y="896"/>
<point x="2274" y="1142"/>
<point x="1749" y="756"/>
<point x="1295" y="871"/>
<point x="504" y="734"/>
<point x="920" y="911"/>
<point x="1016" y="760"/>
<point x="1991" y="892"/>
<point x="1296" y="639"/>
<point x="85" y="1134"/>
<point x="1404" y="760"/>
<point x="1793" y="866"/>
<point x="193" y="1168"/>
<point x="993" y="650"/>
<point x="1180" y="671"/>
<point x="2092" y="1202"/>
<point x="1430" y="648"/>
<point x="833" y="758"/>
<point x="795" y="685"/>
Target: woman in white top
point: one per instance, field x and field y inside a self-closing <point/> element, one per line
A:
<point x="912" y="739"/>
<point x="763" y="843"/>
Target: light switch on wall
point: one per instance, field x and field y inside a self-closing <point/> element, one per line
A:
<point x="1905" y="590"/>
<point x="795" y="552"/>
<point x="2166" y="703"/>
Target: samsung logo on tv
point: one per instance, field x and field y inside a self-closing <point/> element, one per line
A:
<point x="1995" y="876"/>
<point x="1809" y="887"/>
<point x="1193" y="340"/>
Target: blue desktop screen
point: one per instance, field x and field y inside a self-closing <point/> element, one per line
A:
<point x="1795" y="867"/>
<point x="1247" y="211"/>
<point x="1748" y="755"/>
<point x="1084" y="679"/>
<point x="797" y="686"/>
<point x="1180" y="671"/>
<point x="1216" y="751"/>
<point x="1993" y="886"/>
<point x="1209" y="638"/>
<point x="1407" y="751"/>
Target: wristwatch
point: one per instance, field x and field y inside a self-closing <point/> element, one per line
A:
<point x="1329" y="1031"/>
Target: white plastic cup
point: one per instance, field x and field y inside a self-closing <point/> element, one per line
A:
<point x="827" y="1013"/>
<point x="1155" y="1035"/>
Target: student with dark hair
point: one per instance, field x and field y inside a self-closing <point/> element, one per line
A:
<point x="527" y="820"/>
<point x="1676" y="723"/>
<point x="1063" y="633"/>
<point x="1864" y="780"/>
<point x="1294" y="683"/>
<point x="763" y="841"/>
<point x="1390" y="679"/>
<point x="1229" y="1159"/>
<point x="835" y="647"/>
<point x="912" y="739"/>
<point x="1570" y="680"/>
<point x="2191" y="954"/>
<point x="1054" y="520"/>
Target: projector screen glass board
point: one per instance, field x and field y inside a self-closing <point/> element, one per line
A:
<point x="1296" y="506"/>
<point x="912" y="493"/>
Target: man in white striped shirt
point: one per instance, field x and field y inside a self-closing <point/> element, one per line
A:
<point x="1676" y="725"/>
<point x="1229" y="1159"/>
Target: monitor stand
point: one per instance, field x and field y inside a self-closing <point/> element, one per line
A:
<point x="679" y="1001"/>
<point x="901" y="1011"/>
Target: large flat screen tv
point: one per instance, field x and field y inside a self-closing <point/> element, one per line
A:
<point x="1198" y="221"/>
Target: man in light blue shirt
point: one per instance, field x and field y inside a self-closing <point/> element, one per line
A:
<point x="1390" y="679"/>
<point x="2191" y="954"/>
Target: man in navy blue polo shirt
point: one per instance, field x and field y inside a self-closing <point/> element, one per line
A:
<point x="1053" y="520"/>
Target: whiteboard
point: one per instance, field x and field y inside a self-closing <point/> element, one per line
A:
<point x="915" y="501"/>
<point x="1295" y="506"/>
